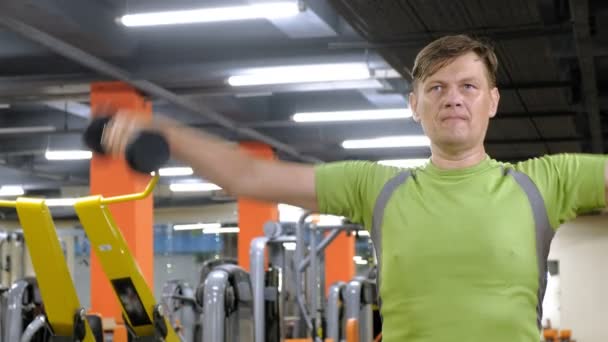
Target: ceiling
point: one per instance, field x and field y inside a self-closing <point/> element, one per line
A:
<point x="553" y="77"/>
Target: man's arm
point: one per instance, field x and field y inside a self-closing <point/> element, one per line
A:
<point x="223" y="163"/>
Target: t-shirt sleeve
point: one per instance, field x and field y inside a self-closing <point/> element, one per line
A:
<point x="571" y="184"/>
<point x="350" y="188"/>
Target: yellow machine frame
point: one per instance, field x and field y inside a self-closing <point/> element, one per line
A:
<point x="58" y="293"/>
<point x="139" y="308"/>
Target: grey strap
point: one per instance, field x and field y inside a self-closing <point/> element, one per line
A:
<point x="378" y="215"/>
<point x="544" y="234"/>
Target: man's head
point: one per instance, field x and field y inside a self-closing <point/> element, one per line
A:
<point x="454" y="92"/>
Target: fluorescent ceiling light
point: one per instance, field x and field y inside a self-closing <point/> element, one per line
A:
<point x="387" y="142"/>
<point x="175" y="171"/>
<point x="353" y="115"/>
<point x="193" y="187"/>
<point x="27" y="129"/>
<point x="404" y="162"/>
<point x="207" y="228"/>
<point x="302" y="74"/>
<point x="222" y="230"/>
<point x="271" y="10"/>
<point x="195" y="226"/>
<point x="11" y="190"/>
<point x="359" y="260"/>
<point x="68" y="155"/>
<point x="289" y="246"/>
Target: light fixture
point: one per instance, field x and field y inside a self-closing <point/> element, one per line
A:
<point x="175" y="171"/>
<point x="388" y="142"/>
<point x="222" y="230"/>
<point x="271" y="10"/>
<point x="68" y="155"/>
<point x="27" y="129"/>
<point x="353" y="115"/>
<point x="193" y="187"/>
<point x="302" y="74"/>
<point x="11" y="190"/>
<point x="207" y="228"/>
<point x="404" y="162"/>
<point x="289" y="246"/>
<point x="359" y="260"/>
<point x="195" y="226"/>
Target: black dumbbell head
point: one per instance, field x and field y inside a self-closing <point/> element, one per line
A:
<point x="94" y="132"/>
<point x="148" y="152"/>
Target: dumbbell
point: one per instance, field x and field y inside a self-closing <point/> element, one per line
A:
<point x="146" y="153"/>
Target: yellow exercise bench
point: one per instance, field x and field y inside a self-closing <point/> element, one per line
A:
<point x="143" y="316"/>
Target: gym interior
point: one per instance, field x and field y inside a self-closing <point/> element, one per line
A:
<point x="92" y="250"/>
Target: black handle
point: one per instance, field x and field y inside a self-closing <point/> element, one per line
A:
<point x="146" y="153"/>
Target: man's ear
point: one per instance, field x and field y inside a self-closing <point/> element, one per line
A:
<point x="413" y="106"/>
<point x="495" y="97"/>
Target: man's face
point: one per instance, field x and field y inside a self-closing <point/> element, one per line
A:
<point x="455" y="104"/>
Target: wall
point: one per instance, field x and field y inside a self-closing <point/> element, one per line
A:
<point x="581" y="247"/>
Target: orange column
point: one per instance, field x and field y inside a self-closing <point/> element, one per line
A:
<point x="112" y="176"/>
<point x="253" y="214"/>
<point x="339" y="263"/>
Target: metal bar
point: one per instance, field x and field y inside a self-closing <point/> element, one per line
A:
<point x="298" y="257"/>
<point x="214" y="306"/>
<point x="417" y="39"/>
<point x="320" y="248"/>
<point x="333" y="311"/>
<point x="313" y="280"/>
<point x="69" y="51"/>
<point x="133" y="197"/>
<point x="584" y="49"/>
<point x="257" y="267"/>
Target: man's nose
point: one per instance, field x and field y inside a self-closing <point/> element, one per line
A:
<point x="453" y="98"/>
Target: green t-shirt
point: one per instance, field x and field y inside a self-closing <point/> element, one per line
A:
<point x="458" y="246"/>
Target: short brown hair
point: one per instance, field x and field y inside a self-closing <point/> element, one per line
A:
<point x="442" y="51"/>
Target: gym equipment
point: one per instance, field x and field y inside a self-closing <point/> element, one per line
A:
<point x="12" y="258"/>
<point x="22" y="310"/>
<point x="64" y="316"/>
<point x="289" y="298"/>
<point x="311" y="306"/>
<point x="182" y="310"/>
<point x="146" y="153"/>
<point x="270" y="304"/>
<point x="335" y="311"/>
<point x="227" y="302"/>
<point x="358" y="298"/>
<point x="143" y="317"/>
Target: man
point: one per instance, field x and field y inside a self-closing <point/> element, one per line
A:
<point x="462" y="245"/>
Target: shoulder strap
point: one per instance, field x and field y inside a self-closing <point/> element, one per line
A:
<point x="544" y="234"/>
<point x="378" y="215"/>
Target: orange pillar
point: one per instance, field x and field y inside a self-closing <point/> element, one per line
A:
<point x="339" y="263"/>
<point x="112" y="176"/>
<point x="253" y="214"/>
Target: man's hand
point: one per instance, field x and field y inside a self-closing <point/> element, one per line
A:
<point x="120" y="131"/>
